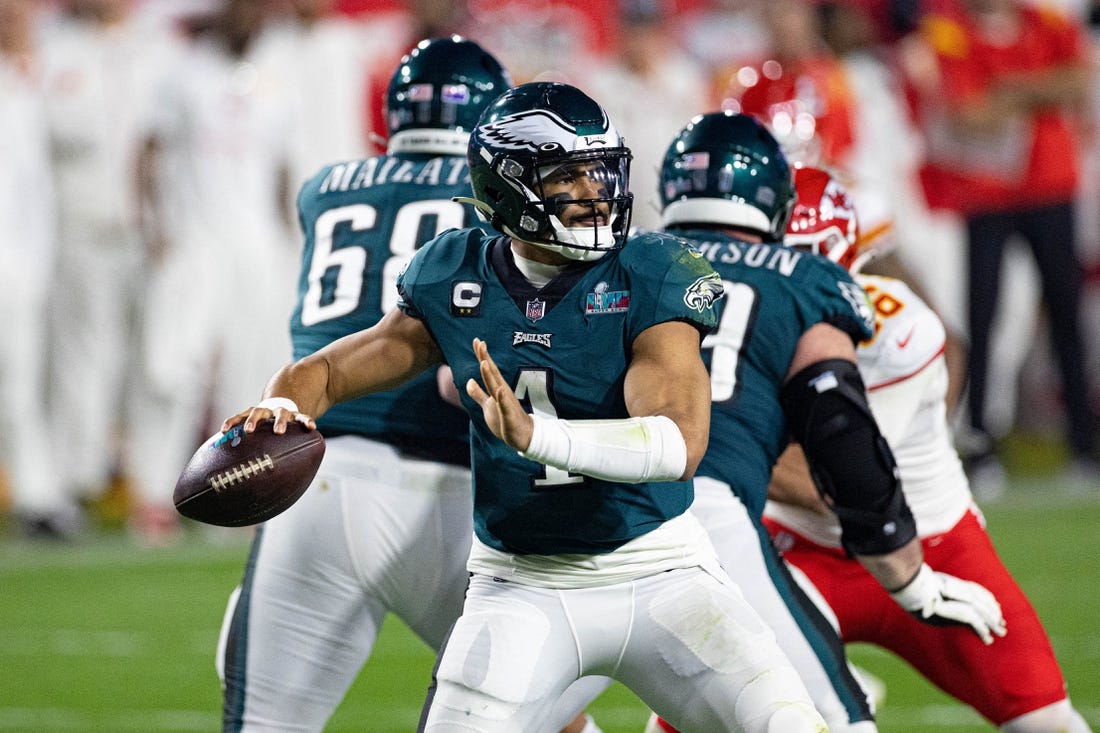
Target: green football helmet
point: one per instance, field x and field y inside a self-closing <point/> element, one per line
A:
<point x="437" y="95"/>
<point x="539" y="132"/>
<point x="726" y="169"/>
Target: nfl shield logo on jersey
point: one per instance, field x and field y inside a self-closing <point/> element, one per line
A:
<point x="536" y="309"/>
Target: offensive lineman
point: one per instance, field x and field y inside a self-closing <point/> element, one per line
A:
<point x="782" y="363"/>
<point x="1016" y="683"/>
<point x="584" y="560"/>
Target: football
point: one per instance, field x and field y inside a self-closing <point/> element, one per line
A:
<point x="236" y="479"/>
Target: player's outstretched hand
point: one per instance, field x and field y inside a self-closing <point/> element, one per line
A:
<point x="503" y="412"/>
<point x="944" y="600"/>
<point x="283" y="411"/>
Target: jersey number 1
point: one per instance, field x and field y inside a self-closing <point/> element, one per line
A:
<point x="534" y="386"/>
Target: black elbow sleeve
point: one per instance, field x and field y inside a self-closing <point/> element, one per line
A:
<point x="851" y="463"/>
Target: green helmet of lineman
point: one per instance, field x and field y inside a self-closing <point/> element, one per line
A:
<point x="726" y="169"/>
<point x="437" y="94"/>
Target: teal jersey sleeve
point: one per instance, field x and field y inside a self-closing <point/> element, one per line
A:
<point x="361" y="221"/>
<point x="773" y="295"/>
<point x="688" y="288"/>
<point x="565" y="350"/>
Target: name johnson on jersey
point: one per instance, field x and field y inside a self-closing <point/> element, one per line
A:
<point x="783" y="260"/>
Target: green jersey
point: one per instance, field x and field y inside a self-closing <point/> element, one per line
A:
<point x="564" y="349"/>
<point x="362" y="220"/>
<point x="773" y="295"/>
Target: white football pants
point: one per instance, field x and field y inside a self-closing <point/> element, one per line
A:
<point x="810" y="641"/>
<point x="685" y="641"/>
<point x="375" y="533"/>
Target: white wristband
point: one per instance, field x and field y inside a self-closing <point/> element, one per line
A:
<point x="915" y="594"/>
<point x="274" y="403"/>
<point x="628" y="450"/>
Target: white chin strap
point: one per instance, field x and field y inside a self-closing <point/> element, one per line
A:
<point x="579" y="243"/>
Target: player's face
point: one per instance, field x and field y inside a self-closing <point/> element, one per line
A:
<point x="579" y="182"/>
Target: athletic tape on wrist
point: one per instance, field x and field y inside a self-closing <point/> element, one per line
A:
<point x="274" y="403"/>
<point x="627" y="450"/>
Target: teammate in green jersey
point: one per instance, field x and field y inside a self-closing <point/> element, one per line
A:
<point x="782" y="364"/>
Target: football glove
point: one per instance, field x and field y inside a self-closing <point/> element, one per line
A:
<point x="944" y="600"/>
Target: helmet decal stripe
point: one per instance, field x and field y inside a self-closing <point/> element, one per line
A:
<point x="541" y="130"/>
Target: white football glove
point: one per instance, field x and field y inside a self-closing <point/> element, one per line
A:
<point x="944" y="600"/>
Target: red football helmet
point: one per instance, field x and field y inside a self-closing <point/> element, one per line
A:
<point x="824" y="218"/>
<point x="808" y="105"/>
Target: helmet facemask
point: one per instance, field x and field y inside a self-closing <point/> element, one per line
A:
<point x="581" y="228"/>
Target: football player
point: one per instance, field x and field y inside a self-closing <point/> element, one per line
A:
<point x="1016" y="683"/>
<point x="386" y="524"/>
<point x="27" y="261"/>
<point x="99" y="68"/>
<point x="782" y="363"/>
<point x="590" y="407"/>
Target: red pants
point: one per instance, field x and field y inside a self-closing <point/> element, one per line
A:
<point x="1015" y="675"/>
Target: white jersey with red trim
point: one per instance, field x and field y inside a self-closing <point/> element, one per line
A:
<point x="908" y="334"/>
<point x="903" y="367"/>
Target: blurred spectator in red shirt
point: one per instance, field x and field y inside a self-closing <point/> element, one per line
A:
<point x="999" y="112"/>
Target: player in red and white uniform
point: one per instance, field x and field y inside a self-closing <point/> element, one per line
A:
<point x="1015" y="683"/>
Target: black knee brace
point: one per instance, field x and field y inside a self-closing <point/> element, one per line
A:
<point x="851" y="463"/>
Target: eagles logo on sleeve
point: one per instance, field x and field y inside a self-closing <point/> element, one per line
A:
<point x="704" y="292"/>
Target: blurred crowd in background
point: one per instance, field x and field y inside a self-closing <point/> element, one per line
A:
<point x="150" y="152"/>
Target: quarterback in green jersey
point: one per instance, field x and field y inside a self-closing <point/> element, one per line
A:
<point x="782" y="364"/>
<point x="395" y="473"/>
<point x="579" y="357"/>
<point x="322" y="576"/>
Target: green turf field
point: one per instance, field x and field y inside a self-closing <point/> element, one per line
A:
<point x="104" y="636"/>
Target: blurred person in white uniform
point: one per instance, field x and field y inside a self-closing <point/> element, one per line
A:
<point x="324" y="61"/>
<point x="98" y="63"/>
<point x="214" y="181"/>
<point x="924" y="246"/>
<point x="880" y="171"/>
<point x="26" y="269"/>
<point x="647" y="88"/>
